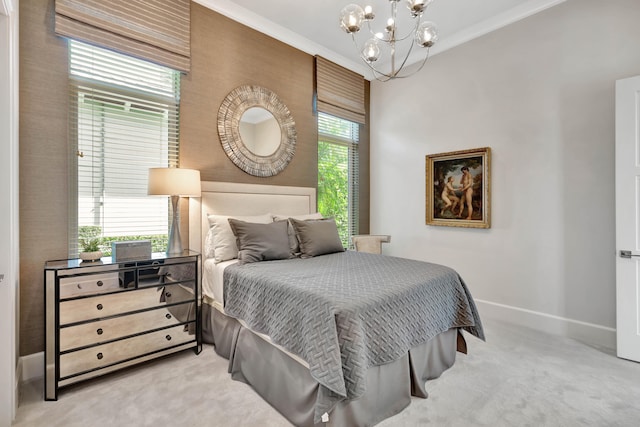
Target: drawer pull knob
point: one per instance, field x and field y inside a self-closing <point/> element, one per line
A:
<point x="168" y="316"/>
<point x="99" y="331"/>
<point x="99" y="283"/>
<point x="168" y="337"/>
<point x="99" y="356"/>
<point x="168" y="294"/>
<point x="99" y="306"/>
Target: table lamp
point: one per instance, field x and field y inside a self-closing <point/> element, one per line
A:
<point x="174" y="182"/>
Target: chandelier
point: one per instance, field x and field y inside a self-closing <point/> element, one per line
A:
<point x="422" y="34"/>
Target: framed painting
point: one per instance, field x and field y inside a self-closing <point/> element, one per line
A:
<point x="459" y="188"/>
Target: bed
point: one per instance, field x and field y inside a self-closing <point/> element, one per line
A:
<point x="337" y="339"/>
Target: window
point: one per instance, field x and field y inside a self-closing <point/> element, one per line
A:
<point x="338" y="173"/>
<point x="124" y="120"/>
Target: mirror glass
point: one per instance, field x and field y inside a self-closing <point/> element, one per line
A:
<point x="260" y="131"/>
<point x="257" y="130"/>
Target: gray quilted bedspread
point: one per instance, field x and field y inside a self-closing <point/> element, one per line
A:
<point x="346" y="312"/>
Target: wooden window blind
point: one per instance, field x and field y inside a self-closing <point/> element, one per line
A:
<point x="340" y="92"/>
<point x="124" y="117"/>
<point x="154" y="30"/>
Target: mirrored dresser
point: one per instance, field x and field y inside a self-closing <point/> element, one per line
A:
<point x="107" y="315"/>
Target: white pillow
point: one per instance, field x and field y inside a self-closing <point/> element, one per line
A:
<point x="293" y="241"/>
<point x="224" y="241"/>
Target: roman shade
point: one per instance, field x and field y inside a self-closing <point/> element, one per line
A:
<point x="154" y="30"/>
<point x="340" y="92"/>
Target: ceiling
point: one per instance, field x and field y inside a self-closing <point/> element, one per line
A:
<point x="313" y="26"/>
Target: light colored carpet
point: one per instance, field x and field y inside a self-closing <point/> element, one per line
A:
<point x="519" y="377"/>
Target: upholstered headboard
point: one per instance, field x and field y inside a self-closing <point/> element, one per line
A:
<point x="225" y="198"/>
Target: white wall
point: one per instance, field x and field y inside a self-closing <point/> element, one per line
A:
<point x="8" y="208"/>
<point x="540" y="93"/>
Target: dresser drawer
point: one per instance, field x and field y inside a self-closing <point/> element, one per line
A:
<point x="91" y="284"/>
<point x="101" y="306"/>
<point x="109" y="329"/>
<point x="118" y="351"/>
<point x="178" y="293"/>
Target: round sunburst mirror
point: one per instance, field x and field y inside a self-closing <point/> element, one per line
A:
<point x="256" y="130"/>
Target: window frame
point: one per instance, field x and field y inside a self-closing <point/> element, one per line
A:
<point x="352" y="144"/>
<point x="79" y="85"/>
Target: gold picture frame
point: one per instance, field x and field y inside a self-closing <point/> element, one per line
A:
<point x="452" y="181"/>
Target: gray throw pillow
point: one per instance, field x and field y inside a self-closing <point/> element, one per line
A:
<point x="260" y="242"/>
<point x="293" y="241"/>
<point x="317" y="236"/>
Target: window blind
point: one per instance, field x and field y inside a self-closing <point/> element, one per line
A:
<point x="154" y="30"/>
<point x="338" y="173"/>
<point x="339" y="92"/>
<point x="123" y="121"/>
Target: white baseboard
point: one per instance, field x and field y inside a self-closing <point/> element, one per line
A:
<point x="589" y="333"/>
<point x="31" y="367"/>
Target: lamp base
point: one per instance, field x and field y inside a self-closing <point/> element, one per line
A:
<point x="175" y="242"/>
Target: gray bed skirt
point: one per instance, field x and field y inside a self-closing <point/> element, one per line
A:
<point x="288" y="386"/>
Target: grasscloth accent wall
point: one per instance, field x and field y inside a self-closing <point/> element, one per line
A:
<point x="224" y="55"/>
<point x="43" y="162"/>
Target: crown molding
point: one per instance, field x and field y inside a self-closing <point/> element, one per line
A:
<point x="258" y="23"/>
<point x="265" y="26"/>
<point x="522" y="11"/>
<point x="6" y="7"/>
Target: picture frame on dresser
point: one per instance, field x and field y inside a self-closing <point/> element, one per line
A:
<point x="104" y="316"/>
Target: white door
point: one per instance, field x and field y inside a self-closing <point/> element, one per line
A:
<point x="628" y="217"/>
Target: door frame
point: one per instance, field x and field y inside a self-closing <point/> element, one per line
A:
<point x="9" y="217"/>
<point x="627" y="118"/>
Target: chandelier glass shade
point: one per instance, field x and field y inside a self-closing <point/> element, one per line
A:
<point x="390" y="41"/>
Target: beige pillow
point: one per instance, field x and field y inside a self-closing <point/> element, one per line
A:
<point x="317" y="237"/>
<point x="224" y="242"/>
<point x="293" y="241"/>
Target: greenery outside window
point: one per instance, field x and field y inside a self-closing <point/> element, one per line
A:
<point x="123" y="121"/>
<point x="338" y="173"/>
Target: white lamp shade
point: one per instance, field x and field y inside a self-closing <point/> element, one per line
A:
<point x="174" y="182"/>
